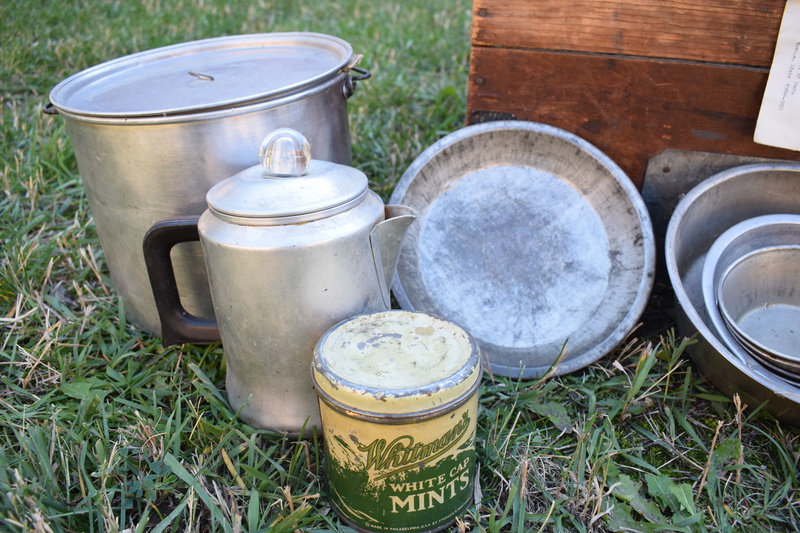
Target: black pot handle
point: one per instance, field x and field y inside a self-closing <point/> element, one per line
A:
<point x="50" y="109"/>
<point x="177" y="324"/>
<point x="350" y="81"/>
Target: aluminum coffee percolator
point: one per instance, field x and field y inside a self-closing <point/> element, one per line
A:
<point x="292" y="246"/>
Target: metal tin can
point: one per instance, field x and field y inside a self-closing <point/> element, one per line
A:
<point x="398" y="399"/>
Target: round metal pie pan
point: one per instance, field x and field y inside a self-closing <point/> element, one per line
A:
<point x="530" y="238"/>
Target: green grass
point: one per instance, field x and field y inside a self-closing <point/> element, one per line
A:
<point x="103" y="429"/>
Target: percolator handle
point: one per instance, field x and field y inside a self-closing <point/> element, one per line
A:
<point x="177" y="324"/>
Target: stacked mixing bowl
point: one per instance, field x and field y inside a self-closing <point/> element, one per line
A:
<point x="751" y="289"/>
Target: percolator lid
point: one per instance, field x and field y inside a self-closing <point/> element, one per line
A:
<point x="288" y="187"/>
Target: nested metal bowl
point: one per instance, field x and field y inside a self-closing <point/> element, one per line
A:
<point x="759" y="298"/>
<point x="739" y="240"/>
<point x="783" y="368"/>
<point x="705" y="213"/>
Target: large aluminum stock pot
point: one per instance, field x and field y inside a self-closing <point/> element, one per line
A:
<point x="153" y="131"/>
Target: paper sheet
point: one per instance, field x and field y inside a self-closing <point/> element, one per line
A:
<point x="779" y="118"/>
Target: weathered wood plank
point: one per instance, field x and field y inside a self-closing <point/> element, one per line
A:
<point x="725" y="31"/>
<point x="630" y="108"/>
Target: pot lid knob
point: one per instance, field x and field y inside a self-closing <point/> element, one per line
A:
<point x="285" y="153"/>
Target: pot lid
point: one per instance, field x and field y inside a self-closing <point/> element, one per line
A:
<point x="288" y="187"/>
<point x="203" y="75"/>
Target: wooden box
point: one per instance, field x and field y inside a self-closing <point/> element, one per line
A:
<point x="633" y="77"/>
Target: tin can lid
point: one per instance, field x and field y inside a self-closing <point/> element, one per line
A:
<point x="203" y="75"/>
<point x="396" y="362"/>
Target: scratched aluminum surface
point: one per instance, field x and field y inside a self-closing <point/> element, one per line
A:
<point x="531" y="239"/>
<point x="704" y="213"/>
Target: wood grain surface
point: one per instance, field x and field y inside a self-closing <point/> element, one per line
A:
<point x="725" y="31"/>
<point x="633" y="78"/>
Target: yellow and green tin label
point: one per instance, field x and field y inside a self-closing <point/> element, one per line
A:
<point x="398" y="400"/>
<point x="405" y="477"/>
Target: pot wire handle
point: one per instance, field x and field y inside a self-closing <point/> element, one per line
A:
<point x="365" y="74"/>
<point x="350" y="81"/>
<point x="50" y="109"/>
<point x="177" y="324"/>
